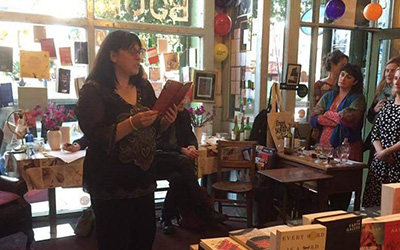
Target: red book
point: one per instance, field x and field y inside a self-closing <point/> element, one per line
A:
<point x="172" y="93"/>
<point x="48" y="45"/>
<point x="392" y="235"/>
<point x="65" y="56"/>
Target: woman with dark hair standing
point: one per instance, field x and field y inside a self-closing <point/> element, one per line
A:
<point x="332" y="63"/>
<point x="114" y="112"/>
<point x="338" y="115"/>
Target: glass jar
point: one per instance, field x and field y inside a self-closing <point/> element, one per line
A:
<point x="38" y="144"/>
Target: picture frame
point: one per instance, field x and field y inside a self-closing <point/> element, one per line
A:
<point x="204" y="83"/>
<point x="293" y="74"/>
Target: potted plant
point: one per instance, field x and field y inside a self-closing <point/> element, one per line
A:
<point x="198" y="118"/>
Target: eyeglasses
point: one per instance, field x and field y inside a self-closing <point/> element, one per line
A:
<point x="134" y="52"/>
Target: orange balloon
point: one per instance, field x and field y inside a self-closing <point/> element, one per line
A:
<point x="373" y="11"/>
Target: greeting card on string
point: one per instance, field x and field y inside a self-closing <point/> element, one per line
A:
<point x="152" y="55"/>
<point x="6" y="59"/>
<point x="48" y="45"/>
<point x="81" y="52"/>
<point x="65" y="56"/>
<point x="64" y="79"/>
<point x="6" y="95"/>
<point x="35" y="64"/>
<point x="39" y="33"/>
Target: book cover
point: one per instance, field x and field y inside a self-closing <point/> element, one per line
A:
<point x="64" y="80"/>
<point x="169" y="61"/>
<point x="308" y="219"/>
<point x="6" y="95"/>
<point x="346" y="227"/>
<point x="6" y="59"/>
<point x="224" y="243"/>
<point x="35" y="64"/>
<point x="392" y="235"/>
<point x="300" y="237"/>
<point x="65" y="56"/>
<point x="47" y="44"/>
<point x="371" y="234"/>
<point x="39" y="33"/>
<point x="390" y="199"/>
<point x="81" y="52"/>
<point x="269" y="230"/>
<point x="152" y="55"/>
<point x="251" y="238"/>
<point x="172" y="93"/>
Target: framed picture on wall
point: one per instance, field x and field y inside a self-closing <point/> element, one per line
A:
<point x="293" y="74"/>
<point x="204" y="85"/>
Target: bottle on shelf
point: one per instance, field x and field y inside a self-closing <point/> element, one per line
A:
<point x="235" y="131"/>
<point x="247" y="129"/>
<point x="241" y="131"/>
<point x="296" y="135"/>
<point x="288" y="141"/>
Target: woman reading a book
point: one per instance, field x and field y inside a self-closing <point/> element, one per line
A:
<point x="339" y="114"/>
<point x="114" y="112"/>
<point x="385" y="167"/>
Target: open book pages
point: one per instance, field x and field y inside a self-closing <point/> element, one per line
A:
<point x="172" y="93"/>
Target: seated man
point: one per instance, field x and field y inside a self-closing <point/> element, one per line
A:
<point x="176" y="152"/>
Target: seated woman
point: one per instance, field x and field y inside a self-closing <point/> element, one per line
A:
<point x="339" y="113"/>
<point x="385" y="167"/>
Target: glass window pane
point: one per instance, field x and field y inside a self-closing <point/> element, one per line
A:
<point x="21" y="36"/>
<point x="302" y="103"/>
<point x="173" y="13"/>
<point x="57" y="8"/>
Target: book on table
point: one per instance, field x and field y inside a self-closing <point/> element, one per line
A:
<point x="223" y="243"/>
<point x="390" y="199"/>
<point x="308" y="219"/>
<point x="346" y="227"/>
<point x="251" y="238"/>
<point x="299" y="237"/>
<point x="172" y="93"/>
<point x="389" y="234"/>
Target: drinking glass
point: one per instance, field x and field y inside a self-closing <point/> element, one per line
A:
<point x="302" y="147"/>
<point x="344" y="154"/>
<point x="328" y="153"/>
<point x="318" y="152"/>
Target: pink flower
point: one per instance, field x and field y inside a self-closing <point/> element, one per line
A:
<point x="53" y="117"/>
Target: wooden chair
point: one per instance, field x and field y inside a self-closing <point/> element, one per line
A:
<point x="230" y="156"/>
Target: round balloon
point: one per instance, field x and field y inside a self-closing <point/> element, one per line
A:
<point x="335" y="9"/>
<point x="223" y="3"/>
<point x="220" y="52"/>
<point x="222" y="24"/>
<point x="373" y="11"/>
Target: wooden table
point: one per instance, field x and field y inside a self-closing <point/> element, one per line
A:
<point x="345" y="179"/>
<point x="47" y="172"/>
<point x="288" y="176"/>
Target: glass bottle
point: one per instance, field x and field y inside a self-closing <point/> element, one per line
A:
<point x="235" y="131"/>
<point x="296" y="135"/>
<point x="287" y="140"/>
<point x="241" y="131"/>
<point x="247" y="129"/>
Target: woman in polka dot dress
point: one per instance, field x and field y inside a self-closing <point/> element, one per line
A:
<point x="385" y="167"/>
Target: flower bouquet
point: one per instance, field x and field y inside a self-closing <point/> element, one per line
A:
<point x="54" y="116"/>
<point x="199" y="116"/>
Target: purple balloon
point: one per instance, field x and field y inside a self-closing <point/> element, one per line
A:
<point x="335" y="9"/>
<point x="223" y="3"/>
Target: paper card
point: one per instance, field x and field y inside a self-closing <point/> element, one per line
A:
<point x="29" y="97"/>
<point x="154" y="74"/>
<point x="170" y="61"/>
<point x="48" y="45"/>
<point x="81" y="52"/>
<point x="6" y="95"/>
<point x="235" y="45"/>
<point x="39" y="33"/>
<point x="243" y="57"/>
<point x="238" y="74"/>
<point x="237" y="59"/>
<point x="233" y="60"/>
<point x="187" y="74"/>
<point x="6" y="59"/>
<point x="162" y="46"/>
<point x="64" y="81"/>
<point x="233" y="74"/>
<point x="152" y="55"/>
<point x="65" y="56"/>
<point x="237" y="101"/>
<point x="35" y="64"/>
<point x="78" y="82"/>
<point x="233" y="87"/>
<point x="193" y="57"/>
<point x="237" y="87"/>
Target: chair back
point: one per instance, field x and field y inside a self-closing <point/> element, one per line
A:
<point x="236" y="155"/>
